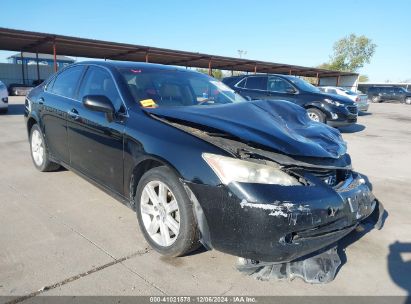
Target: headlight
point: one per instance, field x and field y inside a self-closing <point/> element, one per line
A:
<point x="230" y="169"/>
<point x="333" y="102"/>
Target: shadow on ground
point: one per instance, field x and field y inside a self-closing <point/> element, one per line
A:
<point x="364" y="113"/>
<point x="399" y="268"/>
<point x="15" y="109"/>
<point x="352" y="129"/>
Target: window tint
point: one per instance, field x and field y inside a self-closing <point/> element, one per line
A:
<point x="256" y="83"/>
<point x="276" y="84"/>
<point x="99" y="82"/>
<point x="65" y="83"/>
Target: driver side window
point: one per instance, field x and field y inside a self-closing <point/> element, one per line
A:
<point x="276" y="84"/>
<point x="99" y="82"/>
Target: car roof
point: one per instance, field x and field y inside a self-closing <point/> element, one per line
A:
<point x="259" y="75"/>
<point x="132" y="65"/>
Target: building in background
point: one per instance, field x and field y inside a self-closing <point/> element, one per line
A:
<point x="25" y="70"/>
<point x="44" y="59"/>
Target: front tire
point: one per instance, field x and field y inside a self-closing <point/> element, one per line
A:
<point x="39" y="154"/>
<point x="316" y="115"/>
<point x="165" y="213"/>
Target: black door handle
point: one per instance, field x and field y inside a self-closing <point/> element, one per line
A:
<point x="73" y="113"/>
<point x="41" y="100"/>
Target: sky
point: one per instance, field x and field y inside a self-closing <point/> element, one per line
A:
<point x="292" y="32"/>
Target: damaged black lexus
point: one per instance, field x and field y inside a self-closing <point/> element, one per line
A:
<point x="197" y="162"/>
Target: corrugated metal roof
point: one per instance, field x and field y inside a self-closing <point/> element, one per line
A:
<point x="18" y="40"/>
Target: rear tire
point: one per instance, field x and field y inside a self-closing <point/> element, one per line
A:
<point x="316" y="115"/>
<point x="38" y="150"/>
<point x="165" y="213"/>
<point x="375" y="99"/>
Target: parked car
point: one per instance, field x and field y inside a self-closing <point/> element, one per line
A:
<point x="389" y="93"/>
<point x="196" y="161"/>
<point x="18" y="89"/>
<point x="361" y="100"/>
<point x="331" y="109"/>
<point x="4" y="98"/>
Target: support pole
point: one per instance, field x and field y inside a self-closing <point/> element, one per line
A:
<point x="209" y="68"/>
<point x="146" y="57"/>
<point x="338" y="81"/>
<point x="38" y="68"/>
<point x="22" y="68"/>
<point x="318" y="80"/>
<point x="232" y="73"/>
<point x="255" y="69"/>
<point x="55" y="56"/>
<point x="290" y="72"/>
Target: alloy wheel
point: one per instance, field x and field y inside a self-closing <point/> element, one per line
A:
<point x="313" y="116"/>
<point x="160" y="213"/>
<point x="37" y="147"/>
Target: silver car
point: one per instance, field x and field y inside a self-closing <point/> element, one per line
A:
<point x="4" y="98"/>
<point x="361" y="100"/>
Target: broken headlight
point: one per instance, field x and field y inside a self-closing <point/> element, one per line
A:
<point x="230" y="169"/>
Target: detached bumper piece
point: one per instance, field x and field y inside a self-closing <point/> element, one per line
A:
<point x="319" y="268"/>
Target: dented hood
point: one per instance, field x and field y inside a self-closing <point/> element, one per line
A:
<point x="278" y="125"/>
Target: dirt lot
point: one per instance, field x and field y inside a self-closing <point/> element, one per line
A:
<point x="56" y="227"/>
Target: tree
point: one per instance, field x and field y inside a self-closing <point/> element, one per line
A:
<point x="350" y="53"/>
<point x="363" y="78"/>
<point x="216" y="73"/>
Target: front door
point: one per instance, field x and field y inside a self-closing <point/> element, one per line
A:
<point x="95" y="144"/>
<point x="279" y="88"/>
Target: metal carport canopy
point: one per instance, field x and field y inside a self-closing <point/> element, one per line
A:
<point x="26" y="41"/>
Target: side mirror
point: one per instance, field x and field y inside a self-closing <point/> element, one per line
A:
<point x="291" y="91"/>
<point x="100" y="103"/>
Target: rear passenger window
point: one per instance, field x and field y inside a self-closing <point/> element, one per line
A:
<point x="99" y="82"/>
<point x="257" y="83"/>
<point x="65" y="84"/>
<point x="241" y="84"/>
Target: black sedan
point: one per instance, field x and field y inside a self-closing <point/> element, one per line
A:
<point x="197" y="162"/>
<point x="336" y="111"/>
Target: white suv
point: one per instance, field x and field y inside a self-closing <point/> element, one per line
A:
<point x="4" y="98"/>
<point x="361" y="100"/>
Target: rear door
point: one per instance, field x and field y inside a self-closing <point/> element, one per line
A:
<point x="55" y="103"/>
<point x="387" y="93"/>
<point x="95" y="144"/>
<point x="255" y="87"/>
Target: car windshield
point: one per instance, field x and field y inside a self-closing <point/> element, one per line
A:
<point x="160" y="88"/>
<point x="304" y="85"/>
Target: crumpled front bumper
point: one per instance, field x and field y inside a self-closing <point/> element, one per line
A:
<point x="275" y="223"/>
